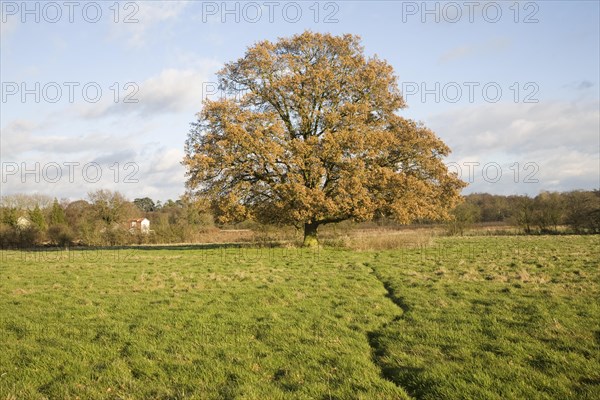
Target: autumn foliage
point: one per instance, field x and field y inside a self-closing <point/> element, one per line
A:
<point x="310" y="134"/>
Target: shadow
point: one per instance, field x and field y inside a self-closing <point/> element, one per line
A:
<point x="397" y="300"/>
<point x="177" y="247"/>
<point x="411" y="379"/>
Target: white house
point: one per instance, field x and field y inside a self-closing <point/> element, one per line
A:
<point x="23" y="223"/>
<point x="139" y="225"/>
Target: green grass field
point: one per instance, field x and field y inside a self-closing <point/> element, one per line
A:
<point x="477" y="318"/>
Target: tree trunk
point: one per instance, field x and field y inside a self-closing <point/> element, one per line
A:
<point x="310" y="234"/>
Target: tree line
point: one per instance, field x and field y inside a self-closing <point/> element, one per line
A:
<point x="102" y="218"/>
<point x="575" y="211"/>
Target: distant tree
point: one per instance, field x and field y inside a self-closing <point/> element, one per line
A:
<point x="548" y="211"/>
<point x="84" y="222"/>
<point x="523" y="215"/>
<point x="37" y="218"/>
<point x="493" y="208"/>
<point x="196" y="211"/>
<point x="464" y="215"/>
<point x="22" y="201"/>
<point x="57" y="214"/>
<point x="145" y="204"/>
<point x="172" y="204"/>
<point x="311" y="136"/>
<point x="9" y="216"/>
<point x="78" y="211"/>
<point x="583" y="213"/>
<point x="110" y="207"/>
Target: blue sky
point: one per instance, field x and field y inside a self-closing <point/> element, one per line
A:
<point x="512" y="87"/>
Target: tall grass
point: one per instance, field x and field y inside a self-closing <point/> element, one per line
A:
<point x="379" y="239"/>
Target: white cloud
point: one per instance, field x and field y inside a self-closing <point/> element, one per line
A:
<point x="559" y="139"/>
<point x="132" y="169"/>
<point x="172" y="90"/>
<point x="167" y="160"/>
<point x="22" y="137"/>
<point x="521" y="128"/>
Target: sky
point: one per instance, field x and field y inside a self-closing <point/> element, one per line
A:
<point x="100" y="95"/>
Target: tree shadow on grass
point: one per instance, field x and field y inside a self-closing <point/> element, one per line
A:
<point x="176" y="247"/>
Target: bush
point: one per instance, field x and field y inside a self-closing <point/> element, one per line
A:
<point x="116" y="236"/>
<point x="8" y="236"/>
<point x="464" y="216"/>
<point x="60" y="235"/>
<point x="141" y="238"/>
<point x="28" y="237"/>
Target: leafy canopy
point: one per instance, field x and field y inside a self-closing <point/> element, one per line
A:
<point x="309" y="134"/>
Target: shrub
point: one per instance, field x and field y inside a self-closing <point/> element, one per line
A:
<point x="28" y="237"/>
<point x="8" y="236"/>
<point x="464" y="215"/>
<point x="116" y="236"/>
<point x="60" y="235"/>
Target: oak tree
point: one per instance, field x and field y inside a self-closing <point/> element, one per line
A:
<point x="308" y="133"/>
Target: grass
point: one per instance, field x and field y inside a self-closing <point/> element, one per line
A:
<point x="491" y="317"/>
<point x="494" y="319"/>
<point x="219" y="323"/>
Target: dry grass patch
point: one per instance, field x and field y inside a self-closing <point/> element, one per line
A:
<point x="380" y="239"/>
